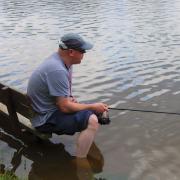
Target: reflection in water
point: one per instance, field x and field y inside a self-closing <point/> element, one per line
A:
<point x="51" y="161"/>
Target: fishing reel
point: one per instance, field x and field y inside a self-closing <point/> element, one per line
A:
<point x="103" y="118"/>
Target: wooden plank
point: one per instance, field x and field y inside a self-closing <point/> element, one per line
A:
<point x="11" y="109"/>
<point x="20" y="110"/>
<point x="26" y="113"/>
<point x="1" y="85"/>
<point x="20" y="101"/>
<point x="22" y="104"/>
<point x="27" y="124"/>
<point x="3" y="95"/>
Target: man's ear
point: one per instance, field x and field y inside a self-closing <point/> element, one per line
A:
<point x="71" y="52"/>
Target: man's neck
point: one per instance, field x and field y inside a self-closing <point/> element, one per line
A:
<point x="65" y="59"/>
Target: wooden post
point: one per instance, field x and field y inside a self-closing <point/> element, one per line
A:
<point x="11" y="110"/>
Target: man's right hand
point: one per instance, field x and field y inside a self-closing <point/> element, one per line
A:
<point x="66" y="105"/>
<point x="99" y="107"/>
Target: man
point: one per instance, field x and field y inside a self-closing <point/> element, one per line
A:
<point x="49" y="89"/>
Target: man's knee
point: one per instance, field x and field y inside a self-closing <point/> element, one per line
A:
<point x="93" y="122"/>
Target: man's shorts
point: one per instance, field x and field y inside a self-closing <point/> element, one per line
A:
<point x="66" y="123"/>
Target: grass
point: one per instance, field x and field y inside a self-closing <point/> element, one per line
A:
<point x="8" y="177"/>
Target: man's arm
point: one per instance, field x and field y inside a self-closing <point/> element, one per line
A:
<point x="66" y="105"/>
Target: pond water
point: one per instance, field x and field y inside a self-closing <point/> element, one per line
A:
<point x="135" y="63"/>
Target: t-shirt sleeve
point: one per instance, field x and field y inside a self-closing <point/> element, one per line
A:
<point x="58" y="83"/>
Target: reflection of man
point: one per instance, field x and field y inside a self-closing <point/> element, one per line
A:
<point x="49" y="89"/>
<point x="55" y="163"/>
<point x="50" y="161"/>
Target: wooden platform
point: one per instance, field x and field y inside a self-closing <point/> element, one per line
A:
<point x="17" y="106"/>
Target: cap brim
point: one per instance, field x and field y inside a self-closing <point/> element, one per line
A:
<point x="87" y="46"/>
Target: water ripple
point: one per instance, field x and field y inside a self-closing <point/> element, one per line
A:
<point x="135" y="63"/>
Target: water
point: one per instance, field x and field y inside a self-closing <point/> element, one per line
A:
<point x="135" y="63"/>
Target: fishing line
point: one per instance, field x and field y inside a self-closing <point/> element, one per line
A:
<point x="142" y="110"/>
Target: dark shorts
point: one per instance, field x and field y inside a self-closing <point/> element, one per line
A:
<point x="65" y="123"/>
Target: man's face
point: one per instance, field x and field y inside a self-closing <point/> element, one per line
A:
<point x="76" y="55"/>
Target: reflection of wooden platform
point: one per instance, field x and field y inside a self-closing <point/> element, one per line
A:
<point x="17" y="107"/>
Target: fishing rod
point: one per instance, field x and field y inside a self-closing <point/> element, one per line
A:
<point x="143" y="110"/>
<point x="104" y="117"/>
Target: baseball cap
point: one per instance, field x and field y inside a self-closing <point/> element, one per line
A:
<point x="74" y="41"/>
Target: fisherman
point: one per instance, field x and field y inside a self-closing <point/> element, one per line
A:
<point x="50" y="91"/>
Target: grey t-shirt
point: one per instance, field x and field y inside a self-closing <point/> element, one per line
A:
<point x="50" y="80"/>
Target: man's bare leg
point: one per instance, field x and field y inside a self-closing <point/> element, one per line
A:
<point x="86" y="137"/>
